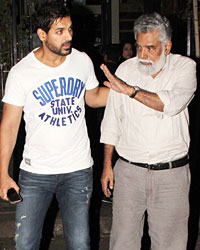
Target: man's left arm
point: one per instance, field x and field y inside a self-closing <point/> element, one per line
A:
<point x="97" y="97"/>
<point x="182" y="92"/>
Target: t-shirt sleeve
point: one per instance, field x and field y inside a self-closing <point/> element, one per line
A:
<point x="14" y="92"/>
<point x="92" y="81"/>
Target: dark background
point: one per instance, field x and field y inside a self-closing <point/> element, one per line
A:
<point x="86" y="26"/>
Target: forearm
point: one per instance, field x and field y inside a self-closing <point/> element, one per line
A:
<point x="5" y="156"/>
<point x="8" y="133"/>
<point x="108" y="152"/>
<point x="102" y="97"/>
<point x="97" y="97"/>
<point x="6" y="148"/>
<point x="149" y="99"/>
<point x="107" y="178"/>
<point x="7" y="142"/>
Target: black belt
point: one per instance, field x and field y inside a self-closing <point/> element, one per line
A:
<point x="161" y="166"/>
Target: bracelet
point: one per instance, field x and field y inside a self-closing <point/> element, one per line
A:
<point x="136" y="89"/>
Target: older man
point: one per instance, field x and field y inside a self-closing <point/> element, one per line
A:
<point x="147" y="122"/>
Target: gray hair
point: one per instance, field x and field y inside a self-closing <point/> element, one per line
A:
<point x="151" y="22"/>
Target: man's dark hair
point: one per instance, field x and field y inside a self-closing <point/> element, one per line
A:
<point x="48" y="13"/>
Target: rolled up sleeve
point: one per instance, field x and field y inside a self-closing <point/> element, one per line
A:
<point x="179" y="96"/>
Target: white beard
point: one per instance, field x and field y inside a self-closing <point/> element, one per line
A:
<point x="154" y="67"/>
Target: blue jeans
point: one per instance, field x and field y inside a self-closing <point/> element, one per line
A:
<point x="73" y="192"/>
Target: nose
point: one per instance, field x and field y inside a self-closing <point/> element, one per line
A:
<point x="143" y="53"/>
<point x="68" y="35"/>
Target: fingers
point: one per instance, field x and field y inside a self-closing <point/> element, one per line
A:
<point x="106" y="70"/>
<point x="111" y="184"/>
<point x="5" y="186"/>
<point x="107" y="191"/>
<point x="104" y="67"/>
<point x="107" y="184"/>
<point x="104" y="184"/>
<point x="107" y="84"/>
<point x="3" y="194"/>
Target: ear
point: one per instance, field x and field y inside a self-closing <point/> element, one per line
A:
<point x="168" y="46"/>
<point x="41" y="34"/>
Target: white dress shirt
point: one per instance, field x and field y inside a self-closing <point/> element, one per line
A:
<point x="142" y="134"/>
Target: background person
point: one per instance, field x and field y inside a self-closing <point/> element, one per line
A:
<point x="127" y="50"/>
<point x="147" y="122"/>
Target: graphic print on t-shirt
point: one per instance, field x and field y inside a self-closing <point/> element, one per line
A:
<point x="54" y="112"/>
<point x="61" y="94"/>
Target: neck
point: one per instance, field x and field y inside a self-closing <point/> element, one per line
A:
<point x="153" y="76"/>
<point x="49" y="58"/>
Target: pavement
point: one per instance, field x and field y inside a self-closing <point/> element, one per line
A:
<point x="53" y="240"/>
<point x="53" y="235"/>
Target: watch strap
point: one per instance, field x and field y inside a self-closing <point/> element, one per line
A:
<point x="136" y="89"/>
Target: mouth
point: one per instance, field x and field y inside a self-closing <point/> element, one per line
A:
<point x="66" y="46"/>
<point x="146" y="64"/>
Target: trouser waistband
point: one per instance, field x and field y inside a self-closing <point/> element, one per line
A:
<point x="161" y="166"/>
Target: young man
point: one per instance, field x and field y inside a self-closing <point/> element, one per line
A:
<point x="148" y="126"/>
<point x="51" y="85"/>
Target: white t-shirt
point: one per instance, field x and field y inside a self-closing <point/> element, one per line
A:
<point x="142" y="134"/>
<point x="54" y="112"/>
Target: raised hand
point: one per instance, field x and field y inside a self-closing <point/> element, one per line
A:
<point x="115" y="83"/>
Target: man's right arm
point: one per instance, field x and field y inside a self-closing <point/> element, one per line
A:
<point x="107" y="178"/>
<point x="8" y="133"/>
<point x="147" y="98"/>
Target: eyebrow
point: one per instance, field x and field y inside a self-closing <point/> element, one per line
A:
<point x="147" y="46"/>
<point x="62" y="28"/>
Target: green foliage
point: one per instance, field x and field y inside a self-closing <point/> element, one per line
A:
<point x="5" y="31"/>
<point x="23" y="31"/>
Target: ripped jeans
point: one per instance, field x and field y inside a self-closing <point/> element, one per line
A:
<point x="73" y="192"/>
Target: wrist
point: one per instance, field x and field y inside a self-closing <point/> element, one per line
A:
<point x="130" y="90"/>
<point x="107" y="164"/>
<point x="136" y="89"/>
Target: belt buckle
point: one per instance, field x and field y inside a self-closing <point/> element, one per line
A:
<point x="170" y="165"/>
<point x="152" y="166"/>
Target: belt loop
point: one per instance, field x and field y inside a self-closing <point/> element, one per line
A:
<point x="170" y="165"/>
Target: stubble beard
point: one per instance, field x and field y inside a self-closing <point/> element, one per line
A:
<point x="58" y="51"/>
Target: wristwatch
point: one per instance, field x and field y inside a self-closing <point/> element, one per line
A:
<point x="136" y="89"/>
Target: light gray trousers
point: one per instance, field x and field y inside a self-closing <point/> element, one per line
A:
<point x="163" y="194"/>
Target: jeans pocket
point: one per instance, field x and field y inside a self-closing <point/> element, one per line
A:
<point x="182" y="176"/>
